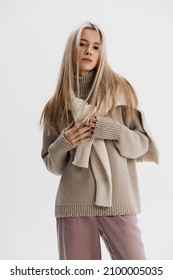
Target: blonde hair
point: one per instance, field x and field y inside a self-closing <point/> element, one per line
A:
<point x="107" y="84"/>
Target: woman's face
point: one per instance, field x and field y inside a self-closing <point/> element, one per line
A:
<point x="88" y="53"/>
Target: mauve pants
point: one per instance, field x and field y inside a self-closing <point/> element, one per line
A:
<point x="79" y="237"/>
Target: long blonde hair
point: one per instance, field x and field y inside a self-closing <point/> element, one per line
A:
<point x="107" y="84"/>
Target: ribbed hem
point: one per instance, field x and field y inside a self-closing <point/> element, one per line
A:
<point x="93" y="210"/>
<point x="107" y="129"/>
<point x="60" y="146"/>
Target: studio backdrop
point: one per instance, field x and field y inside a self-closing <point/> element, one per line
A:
<point x="33" y="35"/>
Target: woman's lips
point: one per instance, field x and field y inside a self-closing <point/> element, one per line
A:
<point x="87" y="60"/>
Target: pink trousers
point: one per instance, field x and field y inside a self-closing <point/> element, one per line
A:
<point x="79" y="237"/>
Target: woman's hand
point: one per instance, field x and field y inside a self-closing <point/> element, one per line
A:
<point x="80" y="132"/>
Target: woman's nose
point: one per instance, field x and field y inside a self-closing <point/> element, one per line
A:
<point x="88" y="50"/>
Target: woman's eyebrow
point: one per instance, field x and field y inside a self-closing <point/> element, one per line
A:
<point x="88" y="41"/>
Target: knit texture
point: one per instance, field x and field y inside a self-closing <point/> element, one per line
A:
<point x="99" y="161"/>
<point x="126" y="144"/>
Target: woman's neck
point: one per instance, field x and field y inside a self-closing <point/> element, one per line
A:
<point x="85" y="84"/>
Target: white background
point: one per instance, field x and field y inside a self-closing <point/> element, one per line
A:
<point x="33" y="34"/>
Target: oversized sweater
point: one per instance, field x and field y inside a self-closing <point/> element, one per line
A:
<point x="126" y="142"/>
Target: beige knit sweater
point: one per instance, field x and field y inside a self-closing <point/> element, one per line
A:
<point x="125" y="143"/>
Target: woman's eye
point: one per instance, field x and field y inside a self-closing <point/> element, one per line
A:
<point x="82" y="44"/>
<point x="96" y="48"/>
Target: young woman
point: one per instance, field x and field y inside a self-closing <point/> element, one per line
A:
<point x="93" y="135"/>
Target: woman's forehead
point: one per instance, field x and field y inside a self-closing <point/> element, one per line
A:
<point x="90" y="35"/>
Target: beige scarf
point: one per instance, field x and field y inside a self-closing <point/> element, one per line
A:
<point x="99" y="157"/>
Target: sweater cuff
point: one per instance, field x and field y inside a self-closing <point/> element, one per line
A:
<point x="60" y="147"/>
<point x="106" y="128"/>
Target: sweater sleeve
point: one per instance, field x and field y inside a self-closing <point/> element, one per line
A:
<point x="106" y="128"/>
<point x="129" y="138"/>
<point x="55" y="151"/>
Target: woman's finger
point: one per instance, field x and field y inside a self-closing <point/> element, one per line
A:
<point x="84" y="135"/>
<point x="78" y="133"/>
<point x="79" y="141"/>
<point x="69" y="126"/>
